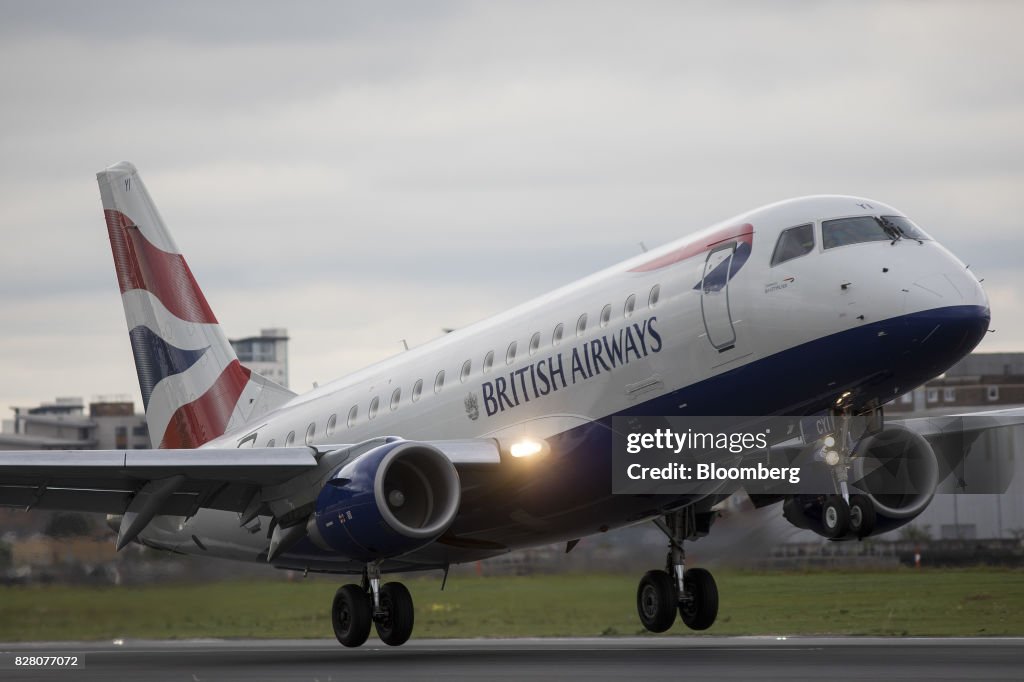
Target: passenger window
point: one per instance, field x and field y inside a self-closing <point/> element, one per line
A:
<point x="581" y="325"/>
<point x="417" y="388"/>
<point x="534" y="342"/>
<point x="395" y="398"/>
<point x="352" y="414"/>
<point x="556" y="337"/>
<point x="652" y="300"/>
<point x="374" y="404"/>
<point x="630" y="306"/>
<point x="606" y="314"/>
<point x="488" y="361"/>
<point x="510" y="354"/>
<point x="793" y="243"/>
<point x="439" y="382"/>
<point x="310" y="432"/>
<point x="331" y="423"/>
<point x="271" y="443"/>
<point x="467" y="367"/>
<point x="289" y="440"/>
<point x="845" y="231"/>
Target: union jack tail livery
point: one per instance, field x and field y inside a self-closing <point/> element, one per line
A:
<point x="193" y="386"/>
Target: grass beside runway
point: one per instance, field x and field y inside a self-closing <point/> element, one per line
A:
<point x="901" y="602"/>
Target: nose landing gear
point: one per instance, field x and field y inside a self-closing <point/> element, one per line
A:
<point x="690" y="592"/>
<point x="844" y="515"/>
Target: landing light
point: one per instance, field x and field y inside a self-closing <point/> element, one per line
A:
<point x="527" y="447"/>
<point x="829" y="441"/>
<point x="831" y="458"/>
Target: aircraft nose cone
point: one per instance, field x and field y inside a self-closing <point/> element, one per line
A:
<point x="948" y="315"/>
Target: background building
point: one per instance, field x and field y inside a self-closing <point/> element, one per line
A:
<point x="266" y="354"/>
<point x="981" y="380"/>
<point x="111" y="424"/>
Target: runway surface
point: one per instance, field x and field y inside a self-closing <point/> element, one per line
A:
<point x="639" y="658"/>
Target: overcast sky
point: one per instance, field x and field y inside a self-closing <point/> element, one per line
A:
<point x="363" y="173"/>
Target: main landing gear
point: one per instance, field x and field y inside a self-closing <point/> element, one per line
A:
<point x="388" y="607"/>
<point x="690" y="592"/>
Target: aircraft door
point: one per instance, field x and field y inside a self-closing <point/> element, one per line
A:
<point x="714" y="298"/>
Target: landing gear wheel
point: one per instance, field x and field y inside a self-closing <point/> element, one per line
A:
<point x="835" y="517"/>
<point x="394" y="625"/>
<point x="656" y="601"/>
<point x="350" y="615"/>
<point x="699" y="606"/>
<point x="862" y="516"/>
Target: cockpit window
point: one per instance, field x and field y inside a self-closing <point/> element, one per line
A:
<point x="845" y="231"/>
<point x="793" y="243"/>
<point x="906" y="227"/>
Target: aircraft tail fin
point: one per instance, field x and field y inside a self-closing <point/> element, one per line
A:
<point x="193" y="387"/>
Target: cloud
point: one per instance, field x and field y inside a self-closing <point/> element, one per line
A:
<point x="362" y="173"/>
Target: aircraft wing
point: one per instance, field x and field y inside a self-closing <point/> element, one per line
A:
<point x="142" y="484"/>
<point x="974" y="447"/>
<point x="106" y="481"/>
<point x="967" y="423"/>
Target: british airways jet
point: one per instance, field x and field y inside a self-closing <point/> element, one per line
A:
<point x="498" y="436"/>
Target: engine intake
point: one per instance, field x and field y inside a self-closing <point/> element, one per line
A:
<point x="391" y="501"/>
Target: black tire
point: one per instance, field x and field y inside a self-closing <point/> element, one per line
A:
<point x="699" y="606"/>
<point x="351" y="615"/>
<point x="394" y="626"/>
<point x="656" y="601"/>
<point x="862" y="516"/>
<point x="835" y="517"/>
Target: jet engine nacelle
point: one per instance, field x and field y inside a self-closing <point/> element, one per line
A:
<point x="391" y="501"/>
<point x="896" y="469"/>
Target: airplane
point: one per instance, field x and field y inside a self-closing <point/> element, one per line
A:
<point x="497" y="436"/>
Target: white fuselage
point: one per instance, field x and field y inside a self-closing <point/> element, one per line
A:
<point x="680" y="340"/>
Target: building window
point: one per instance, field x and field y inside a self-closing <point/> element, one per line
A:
<point x="439" y="382"/>
<point x="652" y="301"/>
<point x="310" y="432"/>
<point x="949" y="395"/>
<point x="331" y="423"/>
<point x="289" y="440"/>
<point x="140" y="430"/>
<point x="907" y="398"/>
<point x="510" y="354"/>
<point x="534" y="342"/>
<point x="417" y="388"/>
<point x="467" y="367"/>
<point x="933" y="395"/>
<point x="488" y="361"/>
<point x="556" y="336"/>
<point x="627" y="311"/>
<point x="606" y="315"/>
<point x="396" y="397"/>
<point x="993" y="393"/>
<point x="352" y="414"/>
<point x="581" y="325"/>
